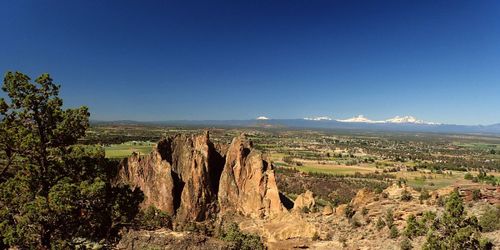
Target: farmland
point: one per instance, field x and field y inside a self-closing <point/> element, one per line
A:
<point x="124" y="150"/>
<point x="429" y="161"/>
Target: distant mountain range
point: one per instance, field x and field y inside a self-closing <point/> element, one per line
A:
<point x="362" y="119"/>
<point x="401" y="124"/>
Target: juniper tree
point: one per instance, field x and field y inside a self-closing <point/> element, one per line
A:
<point x="454" y="230"/>
<point x="52" y="190"/>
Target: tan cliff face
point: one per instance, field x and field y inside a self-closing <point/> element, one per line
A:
<point x="192" y="179"/>
<point x="153" y="176"/>
<point x="247" y="183"/>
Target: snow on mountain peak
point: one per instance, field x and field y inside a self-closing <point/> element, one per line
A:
<point x="408" y="119"/>
<point x="320" y="118"/>
<point x="359" y="118"/>
<point x="262" y="118"/>
<point x="404" y="119"/>
<point x="397" y="119"/>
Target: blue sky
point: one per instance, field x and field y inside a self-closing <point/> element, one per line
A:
<point x="166" y="60"/>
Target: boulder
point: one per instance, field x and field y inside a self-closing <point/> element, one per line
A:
<point x="305" y="200"/>
<point x="340" y="210"/>
<point x="363" y="197"/>
<point x="327" y="210"/>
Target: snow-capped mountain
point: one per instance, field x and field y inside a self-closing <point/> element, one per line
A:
<point x="398" y="120"/>
<point x="405" y="119"/>
<point x="360" y="118"/>
<point x="355" y="123"/>
<point x="262" y="118"/>
<point x="320" y="118"/>
<point x="408" y="119"/>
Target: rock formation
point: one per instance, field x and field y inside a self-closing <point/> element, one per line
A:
<point x="363" y="196"/>
<point x="192" y="179"/>
<point x="327" y="210"/>
<point x="247" y="183"/>
<point x="340" y="210"/>
<point x="153" y="175"/>
<point x="305" y="200"/>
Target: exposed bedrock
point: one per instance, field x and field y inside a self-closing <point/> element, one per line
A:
<point x="192" y="179"/>
<point x="247" y="183"/>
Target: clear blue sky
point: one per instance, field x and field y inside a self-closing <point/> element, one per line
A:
<point x="165" y="60"/>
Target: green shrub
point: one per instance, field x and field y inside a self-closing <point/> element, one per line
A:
<point x="440" y="201"/>
<point x="380" y="223"/>
<point x="240" y="240"/>
<point x="406" y="196"/>
<point x="197" y="227"/>
<point x="468" y="176"/>
<point x="394" y="233"/>
<point x="349" y="211"/>
<point x="454" y="230"/>
<point x="424" y="195"/>
<point x="152" y="218"/>
<point x="315" y="236"/>
<point x="490" y="220"/>
<point x="364" y="211"/>
<point x="428" y="217"/>
<point x="314" y="209"/>
<point x="305" y="210"/>
<point x="485" y="243"/>
<point x="355" y="223"/>
<point x="418" y="227"/>
<point x="476" y="194"/>
<point x="412" y="227"/>
<point x="389" y="218"/>
<point x="406" y="244"/>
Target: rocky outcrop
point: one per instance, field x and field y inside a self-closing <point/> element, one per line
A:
<point x="327" y="210"/>
<point x="153" y="175"/>
<point x="363" y="197"/>
<point x="305" y="200"/>
<point x="395" y="191"/>
<point x="282" y="227"/>
<point x="191" y="178"/>
<point x="340" y="210"/>
<point x="180" y="176"/>
<point x="247" y="183"/>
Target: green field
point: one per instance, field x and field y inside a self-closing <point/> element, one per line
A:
<point x="438" y="182"/>
<point x="126" y="149"/>
<point x="478" y="145"/>
<point x="432" y="181"/>
<point x="334" y="170"/>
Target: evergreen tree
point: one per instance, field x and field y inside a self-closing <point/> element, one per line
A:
<point x="454" y="230"/>
<point x="51" y="189"/>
